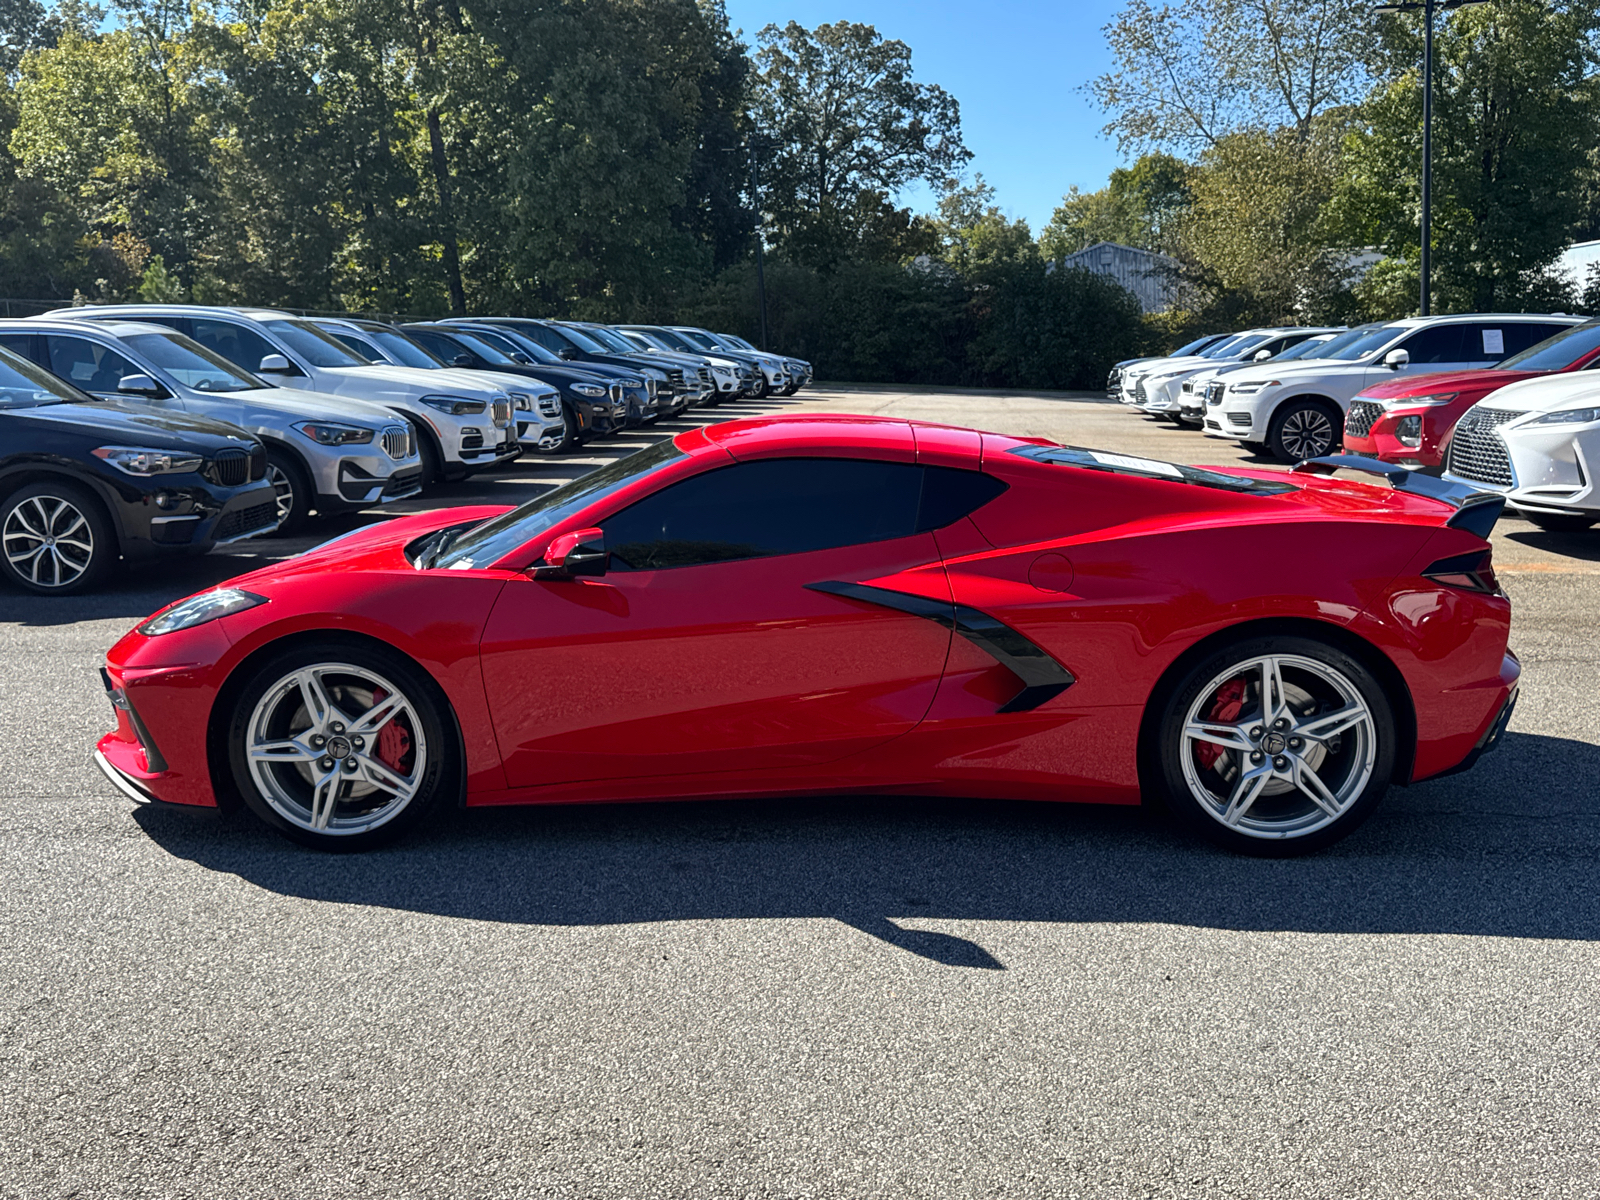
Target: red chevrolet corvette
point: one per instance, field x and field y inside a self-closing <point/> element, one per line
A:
<point x="810" y="605"/>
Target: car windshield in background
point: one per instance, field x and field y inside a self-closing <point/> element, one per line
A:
<point x="1149" y="468"/>
<point x="650" y="339"/>
<point x="488" y="543"/>
<point x="1310" y="348"/>
<point x="316" y="347"/>
<point x="1556" y="352"/>
<point x="612" y="340"/>
<point x="1245" y="344"/>
<point x="1194" y="347"/>
<point x="23" y="385"/>
<point x="697" y="341"/>
<point x="486" y="347"/>
<point x="516" y="342"/>
<point x="1363" y="344"/>
<point x="1220" y="350"/>
<point x="672" y="341"/>
<point x="405" y="351"/>
<point x="738" y="343"/>
<point x="581" y="339"/>
<point x="192" y="365"/>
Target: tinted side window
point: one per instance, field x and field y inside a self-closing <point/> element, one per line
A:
<point x="545" y="337"/>
<point x="18" y="343"/>
<point x="364" y="348"/>
<point x="437" y="345"/>
<point x="1440" y="344"/>
<point x="238" y="344"/>
<point x="790" y="506"/>
<point x="1517" y="337"/>
<point x="88" y="364"/>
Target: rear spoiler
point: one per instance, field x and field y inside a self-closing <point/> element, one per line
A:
<point x="1476" y="512"/>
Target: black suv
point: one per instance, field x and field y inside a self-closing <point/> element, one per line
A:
<point x="85" y="481"/>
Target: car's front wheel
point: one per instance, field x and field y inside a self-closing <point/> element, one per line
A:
<point x="291" y="491"/>
<point x="340" y="746"/>
<point x="1276" y="745"/>
<point x="1303" y="429"/>
<point x="55" y="539"/>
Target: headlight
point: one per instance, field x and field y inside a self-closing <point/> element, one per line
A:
<point x="1250" y="387"/>
<point x="631" y="383"/>
<point x="1570" y="416"/>
<point x="455" y="407"/>
<point x="1408" y="431"/>
<point x="131" y="460"/>
<point x="197" y="610"/>
<point x="589" y="389"/>
<point x="1420" y="401"/>
<point x="522" y="402"/>
<point x="325" y="433"/>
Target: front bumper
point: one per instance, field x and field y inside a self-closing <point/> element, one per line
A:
<point x="191" y="519"/>
<point x="489" y="456"/>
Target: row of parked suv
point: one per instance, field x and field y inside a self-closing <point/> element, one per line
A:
<point x="1505" y="402"/>
<point x="134" y="431"/>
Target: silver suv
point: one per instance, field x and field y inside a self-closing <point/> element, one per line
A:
<point x="463" y="424"/>
<point x="324" y="453"/>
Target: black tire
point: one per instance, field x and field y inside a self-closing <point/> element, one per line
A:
<point x="43" y="547"/>
<point x="1266" y="776"/>
<point x="1560" y="522"/>
<point x="432" y="460"/>
<point x="292" y="491"/>
<point x="283" y="794"/>
<point x="1303" y="429"/>
<point x="569" y="436"/>
<point x="764" y="388"/>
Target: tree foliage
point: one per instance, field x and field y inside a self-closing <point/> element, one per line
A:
<point x="1138" y="207"/>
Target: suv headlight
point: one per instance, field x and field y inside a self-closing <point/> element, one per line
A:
<point x="326" y="433"/>
<point x="589" y="389"/>
<point x="1408" y="430"/>
<point x="131" y="460"/>
<point x="455" y="407"/>
<point x="1419" y="401"/>
<point x="197" y="610"/>
<point x="1570" y="416"/>
<point x="1251" y="387"/>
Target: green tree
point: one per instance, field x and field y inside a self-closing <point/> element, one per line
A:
<point x="977" y="237"/>
<point x="1139" y="206"/>
<point x="1516" y="113"/>
<point x="844" y="119"/>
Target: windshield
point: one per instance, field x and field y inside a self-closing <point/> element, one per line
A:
<point x="738" y="343"/>
<point x="1194" y="347"/>
<point x="1310" y="348"/>
<point x="406" y="352"/>
<point x="516" y="342"/>
<point x="1244" y="345"/>
<point x="485" y="346"/>
<point x="580" y="338"/>
<point x="191" y="364"/>
<point x="23" y="385"/>
<point x="311" y="344"/>
<point x="697" y="340"/>
<point x="672" y="341"/>
<point x="1359" y="343"/>
<point x="488" y="543"/>
<point x="1220" y="350"/>
<point x="647" y="339"/>
<point x="1555" y="353"/>
<point x="612" y="340"/>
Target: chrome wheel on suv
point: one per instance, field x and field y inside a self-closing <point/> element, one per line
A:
<point x="1302" y="429"/>
<point x="54" y="539"/>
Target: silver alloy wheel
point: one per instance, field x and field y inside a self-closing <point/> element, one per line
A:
<point x="1291" y="745"/>
<point x="48" y="541"/>
<point x="1307" y="433"/>
<point x="282" y="490"/>
<point x="336" y="749"/>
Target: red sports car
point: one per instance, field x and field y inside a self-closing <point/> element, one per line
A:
<point x="1409" y="420"/>
<point x="809" y="605"/>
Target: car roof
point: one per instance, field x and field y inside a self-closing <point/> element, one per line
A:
<point x="79" y="328"/>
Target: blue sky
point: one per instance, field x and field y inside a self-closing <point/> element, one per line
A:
<point x="1015" y="66"/>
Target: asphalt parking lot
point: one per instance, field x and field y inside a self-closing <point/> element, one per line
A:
<point x="804" y="999"/>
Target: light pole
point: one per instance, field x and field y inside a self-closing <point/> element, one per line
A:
<point x="1427" y="8"/>
<point x="761" y="258"/>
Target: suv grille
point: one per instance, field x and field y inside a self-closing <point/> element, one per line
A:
<point x="1140" y="395"/>
<point x="1477" y="451"/>
<point x="229" y="468"/>
<point x="1359" y="420"/>
<point x="675" y="377"/>
<point x="501" y="411"/>
<point x="1114" y="383"/>
<point x="705" y="374"/>
<point x="258" y="464"/>
<point x="1214" y="391"/>
<point x="396" y="441"/>
<point x="550" y="404"/>
<point x="244" y="521"/>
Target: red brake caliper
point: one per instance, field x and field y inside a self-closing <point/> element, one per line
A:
<point x="394" y="743"/>
<point x="1229" y="704"/>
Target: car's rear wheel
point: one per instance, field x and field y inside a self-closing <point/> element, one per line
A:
<point x="1560" y="522"/>
<point x="1303" y="429"/>
<point x="1276" y="746"/>
<point x="340" y="746"/>
<point x="55" y="539"/>
<point x="291" y="491"/>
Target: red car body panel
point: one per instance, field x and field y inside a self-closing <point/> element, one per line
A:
<point x="1438" y="420"/>
<point x="736" y="678"/>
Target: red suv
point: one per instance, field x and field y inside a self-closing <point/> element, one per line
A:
<point x="1409" y="420"/>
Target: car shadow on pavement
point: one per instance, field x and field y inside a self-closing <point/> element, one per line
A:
<point x="1583" y="545"/>
<point x="1506" y="850"/>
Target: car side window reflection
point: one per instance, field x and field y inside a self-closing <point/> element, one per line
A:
<point x="89" y="365"/>
<point x="241" y="346"/>
<point x="789" y="506"/>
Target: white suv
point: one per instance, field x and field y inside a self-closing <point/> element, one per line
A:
<point x="1136" y="379"/>
<point x="464" y="424"/>
<point x="1296" y="410"/>
<point x="1164" y="388"/>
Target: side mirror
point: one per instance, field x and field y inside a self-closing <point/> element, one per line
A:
<point x="567" y="353"/>
<point x="1262" y="355"/>
<point x="461" y="360"/>
<point x="581" y="552"/>
<point x="140" y="385"/>
<point x="1396" y="359"/>
<point x="276" y="364"/>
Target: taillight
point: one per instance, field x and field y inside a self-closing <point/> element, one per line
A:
<point x="1473" y="572"/>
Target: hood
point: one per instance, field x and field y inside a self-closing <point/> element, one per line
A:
<point x="504" y="380"/>
<point x="314" y="405"/>
<point x="1407" y="386"/>
<point x="446" y="381"/>
<point x="136" y="424"/>
<point x="1147" y="365"/>
<point x="1546" y="393"/>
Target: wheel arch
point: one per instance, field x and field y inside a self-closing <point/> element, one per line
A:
<point x="17" y="478"/>
<point x="1367" y="653"/>
<point x="222" y="784"/>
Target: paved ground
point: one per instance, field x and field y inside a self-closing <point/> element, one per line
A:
<point x="831" y="999"/>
